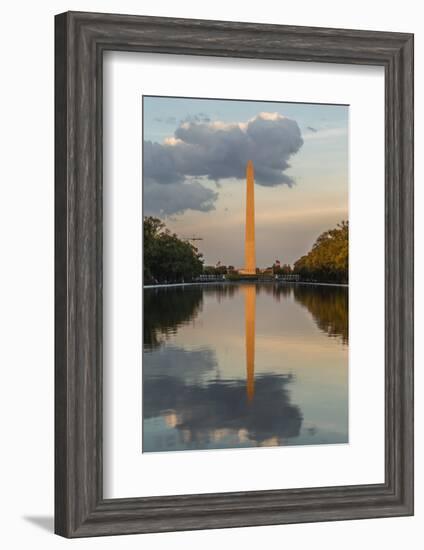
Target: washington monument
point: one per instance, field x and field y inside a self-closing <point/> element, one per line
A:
<point x="249" y="245"/>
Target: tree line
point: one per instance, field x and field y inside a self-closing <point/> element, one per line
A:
<point x="167" y="258"/>
<point x="170" y="259"/>
<point x="328" y="260"/>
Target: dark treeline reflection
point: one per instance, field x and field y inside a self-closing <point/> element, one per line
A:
<point x="221" y="290"/>
<point x="328" y="306"/>
<point x="278" y="291"/>
<point x="205" y="414"/>
<point x="166" y="309"/>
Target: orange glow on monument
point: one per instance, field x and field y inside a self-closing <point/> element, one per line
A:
<point x="250" y="290"/>
<point x="250" y="316"/>
<point x="249" y="244"/>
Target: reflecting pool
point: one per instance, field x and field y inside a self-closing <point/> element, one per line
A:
<point x="244" y="365"/>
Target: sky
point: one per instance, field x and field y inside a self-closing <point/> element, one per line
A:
<point x="194" y="160"/>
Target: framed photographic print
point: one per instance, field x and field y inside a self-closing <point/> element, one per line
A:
<point x="234" y="274"/>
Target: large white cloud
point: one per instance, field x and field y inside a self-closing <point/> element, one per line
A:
<point x="216" y="151"/>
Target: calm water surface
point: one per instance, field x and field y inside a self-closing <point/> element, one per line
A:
<point x="244" y="365"/>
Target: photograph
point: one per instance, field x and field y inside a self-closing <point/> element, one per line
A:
<point x="245" y="273"/>
<point x="208" y="272"/>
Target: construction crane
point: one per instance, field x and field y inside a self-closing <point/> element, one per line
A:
<point x="194" y="238"/>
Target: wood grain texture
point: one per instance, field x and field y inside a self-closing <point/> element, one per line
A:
<point x="81" y="39"/>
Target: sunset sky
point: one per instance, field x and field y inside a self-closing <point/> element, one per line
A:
<point x="195" y="153"/>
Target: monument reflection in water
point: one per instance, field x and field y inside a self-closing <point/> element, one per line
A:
<point x="244" y="365"/>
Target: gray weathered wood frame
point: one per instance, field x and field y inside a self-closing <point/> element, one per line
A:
<point x="80" y="40"/>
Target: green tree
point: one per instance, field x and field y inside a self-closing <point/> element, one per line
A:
<point x="216" y="270"/>
<point x="328" y="260"/>
<point x="166" y="257"/>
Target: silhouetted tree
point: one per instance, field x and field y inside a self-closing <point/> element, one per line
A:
<point x="166" y="257"/>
